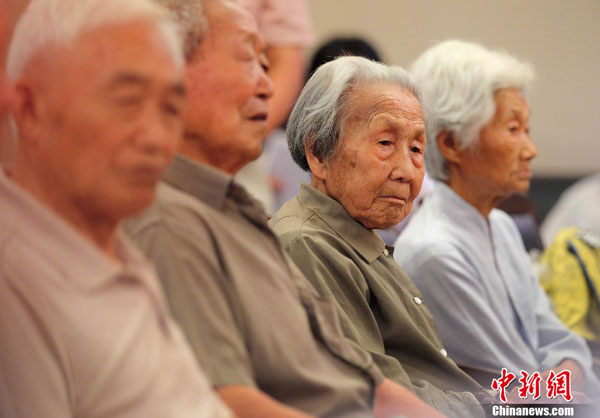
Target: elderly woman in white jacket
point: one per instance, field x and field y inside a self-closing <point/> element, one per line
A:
<point x="465" y="256"/>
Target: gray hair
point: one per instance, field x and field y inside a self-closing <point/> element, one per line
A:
<point x="322" y="109"/>
<point x="190" y="18"/>
<point x="458" y="80"/>
<point x="61" y="22"/>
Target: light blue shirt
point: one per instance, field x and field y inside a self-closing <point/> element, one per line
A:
<point x="477" y="280"/>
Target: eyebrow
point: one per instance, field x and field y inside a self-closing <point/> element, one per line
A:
<point x="131" y="79"/>
<point x="136" y="80"/>
<point x="519" y="114"/>
<point x="252" y="38"/>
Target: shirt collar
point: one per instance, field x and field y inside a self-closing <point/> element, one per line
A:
<point x="51" y="237"/>
<point x="365" y="241"/>
<point x="202" y="181"/>
<point x="457" y="207"/>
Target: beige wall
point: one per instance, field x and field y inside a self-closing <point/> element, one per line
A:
<point x="560" y="38"/>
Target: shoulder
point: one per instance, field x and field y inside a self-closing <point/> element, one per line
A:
<point x="175" y="216"/>
<point x="294" y="224"/>
<point x="425" y="237"/>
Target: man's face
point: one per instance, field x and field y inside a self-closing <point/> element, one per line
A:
<point x="228" y="90"/>
<point x="500" y="161"/>
<point x="106" y="118"/>
<point x="379" y="169"/>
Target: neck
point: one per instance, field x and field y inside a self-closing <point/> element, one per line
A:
<point x="96" y="227"/>
<point x="319" y="185"/>
<point x="192" y="149"/>
<point x="481" y="198"/>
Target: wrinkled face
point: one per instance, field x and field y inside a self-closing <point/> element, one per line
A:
<point x="107" y="118"/>
<point x="228" y="90"/>
<point x="378" y="171"/>
<point x="500" y="160"/>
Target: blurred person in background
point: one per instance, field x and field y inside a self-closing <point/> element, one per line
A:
<point x="577" y="206"/>
<point x="359" y="128"/>
<point x="465" y="256"/>
<point x="85" y="329"/>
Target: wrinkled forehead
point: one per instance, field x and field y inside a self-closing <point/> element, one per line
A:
<point x="97" y="55"/>
<point x="230" y="19"/>
<point x="371" y="103"/>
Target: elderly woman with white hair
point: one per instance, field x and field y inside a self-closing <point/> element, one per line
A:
<point x="467" y="257"/>
<point x="358" y="127"/>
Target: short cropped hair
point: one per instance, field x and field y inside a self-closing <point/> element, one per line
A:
<point x="189" y="15"/>
<point x="323" y="107"/>
<point x="62" y="22"/>
<point x="458" y="80"/>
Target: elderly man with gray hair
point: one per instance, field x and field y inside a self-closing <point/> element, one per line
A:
<point x="467" y="257"/>
<point x="85" y="329"/>
<point x="359" y="128"/>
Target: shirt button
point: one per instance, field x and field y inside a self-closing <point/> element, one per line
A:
<point x="386" y="252"/>
<point x="417" y="300"/>
<point x="444" y="352"/>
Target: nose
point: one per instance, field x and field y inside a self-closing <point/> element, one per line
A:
<point x="266" y="87"/>
<point x="156" y="135"/>
<point x="529" y="150"/>
<point x="404" y="169"/>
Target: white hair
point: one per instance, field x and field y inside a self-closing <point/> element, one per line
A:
<point x="458" y="80"/>
<point x="322" y="109"/>
<point x="61" y="22"/>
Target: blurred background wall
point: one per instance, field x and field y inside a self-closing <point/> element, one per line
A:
<point x="560" y="38"/>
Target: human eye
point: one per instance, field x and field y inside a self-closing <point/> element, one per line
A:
<point x="265" y="66"/>
<point x="385" y="142"/>
<point x="245" y="52"/>
<point x="514" y="127"/>
<point x="171" y="108"/>
<point x="127" y="101"/>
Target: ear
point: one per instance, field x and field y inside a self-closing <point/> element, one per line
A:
<point x="318" y="167"/>
<point x="26" y="109"/>
<point x="449" y="147"/>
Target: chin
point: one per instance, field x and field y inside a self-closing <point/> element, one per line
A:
<point x="521" y="186"/>
<point x="137" y="203"/>
<point x="254" y="153"/>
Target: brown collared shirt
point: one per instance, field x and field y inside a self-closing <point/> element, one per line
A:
<point x="381" y="308"/>
<point x="251" y="317"/>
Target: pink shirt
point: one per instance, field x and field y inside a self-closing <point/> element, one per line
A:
<point x="82" y="335"/>
<point x="282" y="22"/>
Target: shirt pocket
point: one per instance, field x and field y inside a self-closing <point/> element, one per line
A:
<point x="325" y="325"/>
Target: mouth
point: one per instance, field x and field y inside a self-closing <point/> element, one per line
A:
<point x="524" y="174"/>
<point x="394" y="199"/>
<point x="259" y="117"/>
<point x="148" y="173"/>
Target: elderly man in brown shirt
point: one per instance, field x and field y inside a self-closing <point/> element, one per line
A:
<point x="84" y="325"/>
<point x="271" y="346"/>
